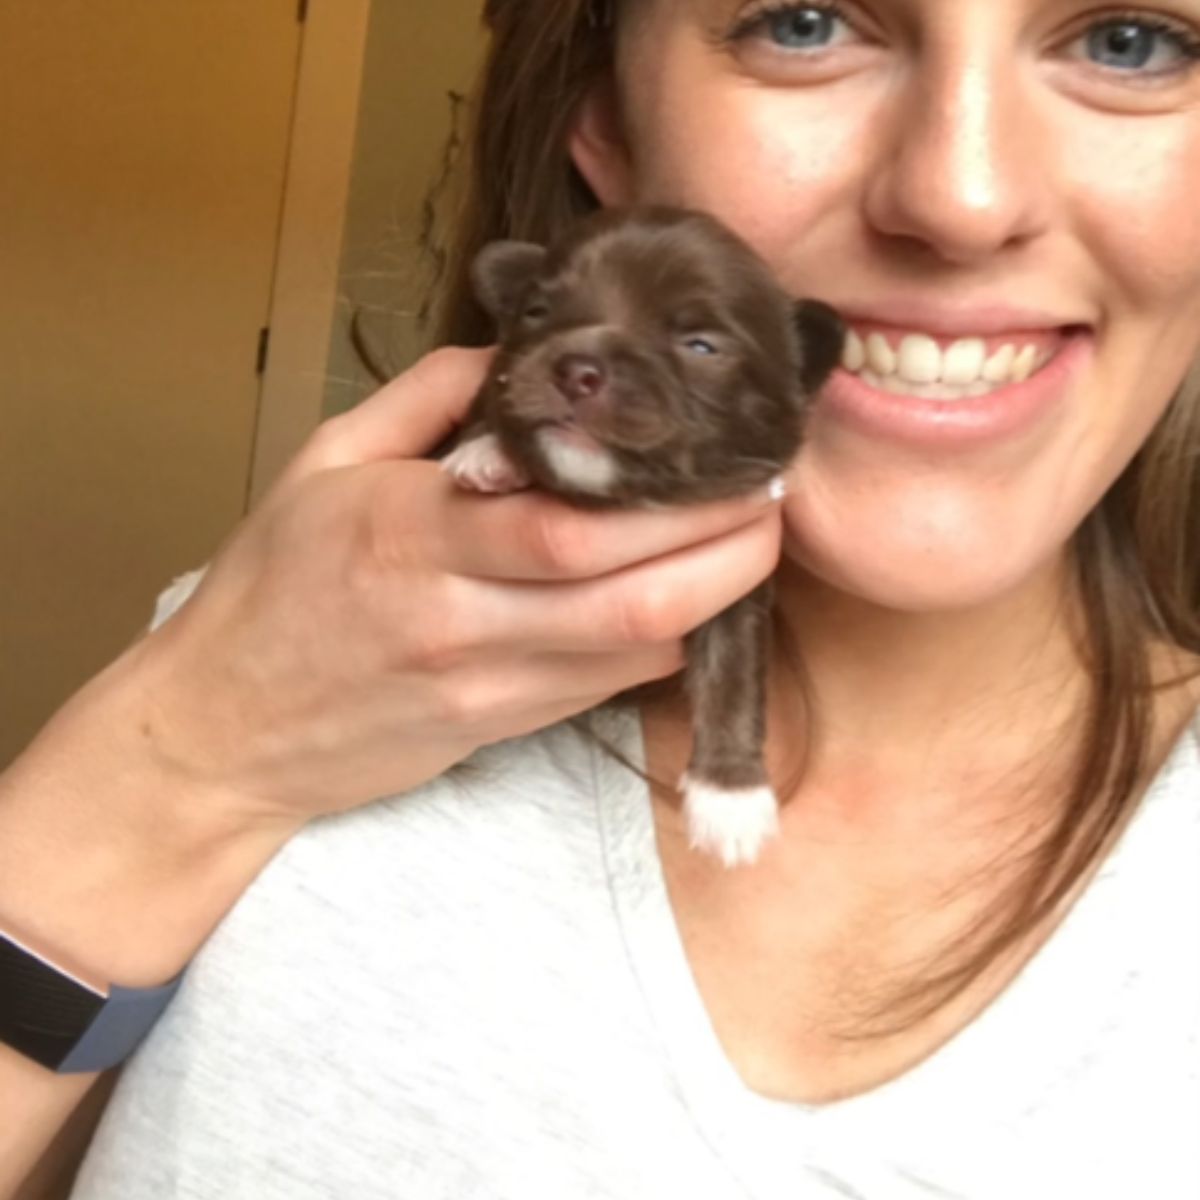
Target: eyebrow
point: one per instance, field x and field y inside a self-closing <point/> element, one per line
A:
<point x="715" y="15"/>
<point x="715" y="8"/>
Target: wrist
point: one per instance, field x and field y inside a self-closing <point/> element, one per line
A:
<point x="108" y="853"/>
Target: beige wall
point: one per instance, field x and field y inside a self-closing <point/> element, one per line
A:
<point x="416" y="54"/>
<point x="143" y="156"/>
<point x="140" y="255"/>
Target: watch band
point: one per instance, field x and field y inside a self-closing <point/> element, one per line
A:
<point x="51" y="1016"/>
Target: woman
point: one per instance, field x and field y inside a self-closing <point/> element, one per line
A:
<point x="967" y="966"/>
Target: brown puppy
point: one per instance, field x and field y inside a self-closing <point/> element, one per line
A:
<point x="650" y="359"/>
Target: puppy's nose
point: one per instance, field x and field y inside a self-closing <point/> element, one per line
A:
<point x="579" y="376"/>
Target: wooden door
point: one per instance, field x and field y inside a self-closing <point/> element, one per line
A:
<point x="143" y="148"/>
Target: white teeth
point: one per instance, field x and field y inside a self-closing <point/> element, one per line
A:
<point x="962" y="369"/>
<point x="920" y="359"/>
<point x="854" y="355"/>
<point x="925" y="391"/>
<point x="998" y="368"/>
<point x="964" y="361"/>
<point x="1025" y="364"/>
<point x="880" y="356"/>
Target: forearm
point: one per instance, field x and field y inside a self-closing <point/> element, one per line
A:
<point x="112" y="865"/>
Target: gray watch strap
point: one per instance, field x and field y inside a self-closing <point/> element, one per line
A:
<point x="121" y="1023"/>
<point x="65" y="1023"/>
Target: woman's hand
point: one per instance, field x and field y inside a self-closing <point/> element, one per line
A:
<point x="371" y="624"/>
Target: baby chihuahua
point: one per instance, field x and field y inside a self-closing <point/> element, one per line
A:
<point x="649" y="358"/>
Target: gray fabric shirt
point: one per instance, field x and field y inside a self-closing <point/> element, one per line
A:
<point x="479" y="990"/>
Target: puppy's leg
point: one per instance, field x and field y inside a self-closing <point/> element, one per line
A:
<point x="480" y="463"/>
<point x="730" y="807"/>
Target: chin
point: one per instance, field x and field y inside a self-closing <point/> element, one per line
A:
<point x="911" y="592"/>
<point x="922" y="577"/>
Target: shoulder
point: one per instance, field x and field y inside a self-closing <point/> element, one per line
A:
<point x="520" y="810"/>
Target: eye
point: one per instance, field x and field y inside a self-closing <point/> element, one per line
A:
<point x="1141" y="44"/>
<point x="792" y="27"/>
<point x="700" y="345"/>
<point x="535" y="309"/>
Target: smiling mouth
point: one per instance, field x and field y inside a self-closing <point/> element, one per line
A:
<point x="938" y="368"/>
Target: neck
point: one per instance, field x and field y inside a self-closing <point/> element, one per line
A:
<point x="934" y="707"/>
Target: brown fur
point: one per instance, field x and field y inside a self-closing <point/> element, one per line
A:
<point x="626" y="294"/>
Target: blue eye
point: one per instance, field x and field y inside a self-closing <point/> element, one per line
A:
<point x="791" y="26"/>
<point x="699" y="345"/>
<point x="1131" y="44"/>
<point x="801" y="28"/>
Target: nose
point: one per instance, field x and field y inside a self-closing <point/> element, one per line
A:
<point x="578" y="376"/>
<point x="967" y="165"/>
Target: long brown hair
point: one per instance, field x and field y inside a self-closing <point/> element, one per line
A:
<point x="1136" y="557"/>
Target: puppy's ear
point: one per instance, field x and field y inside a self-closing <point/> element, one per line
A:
<point x="501" y="274"/>
<point x="822" y="339"/>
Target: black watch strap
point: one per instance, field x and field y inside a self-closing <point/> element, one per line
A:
<point x="67" y="1025"/>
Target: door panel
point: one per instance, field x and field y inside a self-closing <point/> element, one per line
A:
<point x="143" y="148"/>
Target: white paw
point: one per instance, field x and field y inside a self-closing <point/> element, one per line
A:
<point x="730" y="823"/>
<point x="481" y="465"/>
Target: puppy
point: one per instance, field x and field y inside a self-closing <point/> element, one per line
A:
<point x="649" y="358"/>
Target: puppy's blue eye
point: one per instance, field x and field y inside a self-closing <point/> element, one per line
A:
<point x="699" y="345"/>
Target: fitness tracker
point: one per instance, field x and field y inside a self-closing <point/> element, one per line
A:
<point x="53" y="1017"/>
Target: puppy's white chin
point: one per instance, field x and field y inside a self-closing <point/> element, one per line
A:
<point x="732" y="823"/>
<point x="578" y="462"/>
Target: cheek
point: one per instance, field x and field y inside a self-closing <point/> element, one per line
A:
<point x="766" y="162"/>
<point x="1135" y="202"/>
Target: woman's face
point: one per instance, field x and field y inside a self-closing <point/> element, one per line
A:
<point x="984" y="188"/>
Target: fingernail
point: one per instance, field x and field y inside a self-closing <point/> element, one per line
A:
<point x="777" y="489"/>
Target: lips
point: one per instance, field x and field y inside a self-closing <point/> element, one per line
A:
<point x="945" y="416"/>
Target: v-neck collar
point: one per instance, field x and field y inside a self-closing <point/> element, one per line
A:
<point x="963" y="1103"/>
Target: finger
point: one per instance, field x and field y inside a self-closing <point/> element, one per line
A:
<point x="533" y="536"/>
<point x="654" y="603"/>
<point x="406" y="418"/>
<point x="495" y="697"/>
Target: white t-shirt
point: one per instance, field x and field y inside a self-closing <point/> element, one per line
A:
<point x="479" y="990"/>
